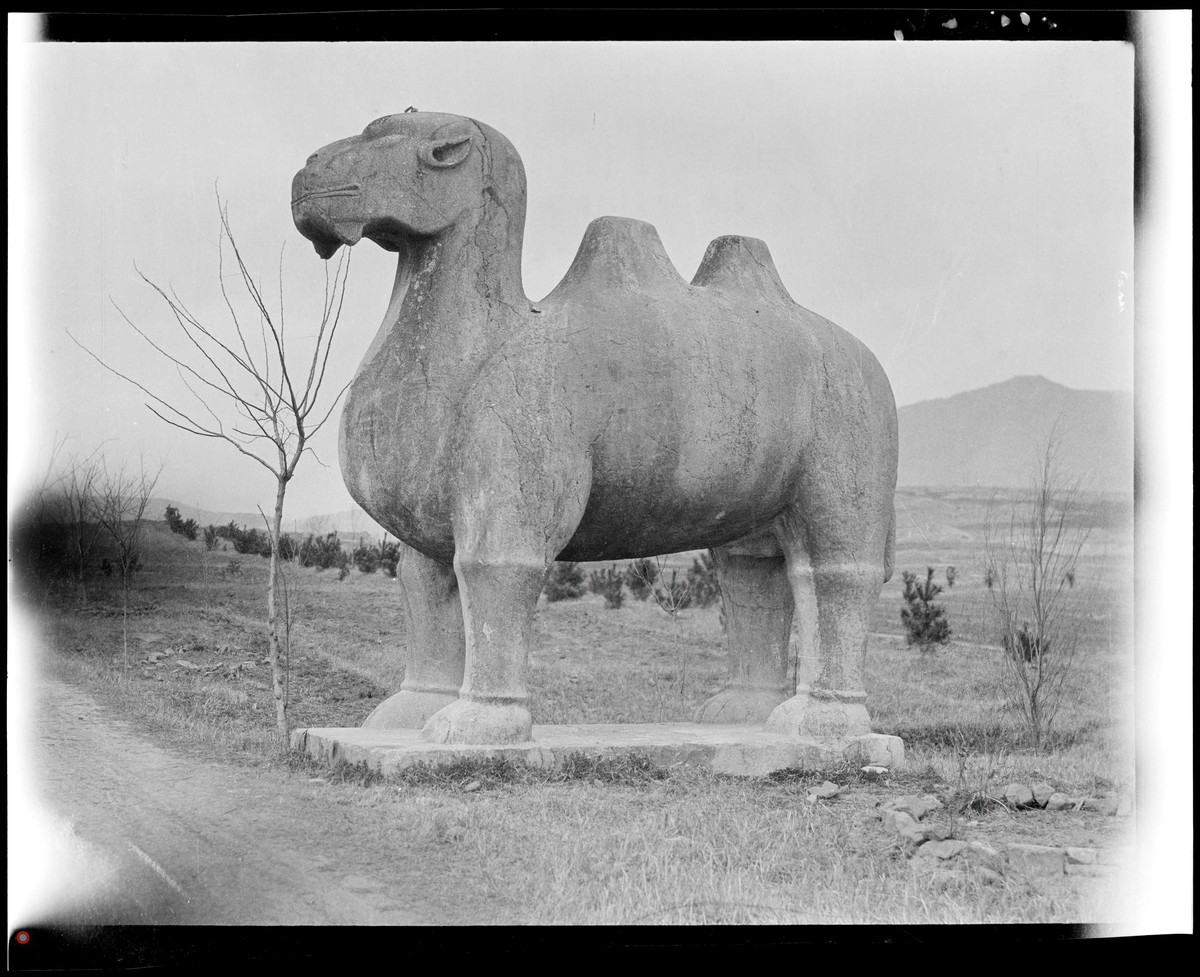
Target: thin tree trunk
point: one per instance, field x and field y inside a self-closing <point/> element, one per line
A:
<point x="125" y="617"/>
<point x="272" y="618"/>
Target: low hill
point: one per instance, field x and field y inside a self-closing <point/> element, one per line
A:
<point x="993" y="436"/>
<point x="350" y="523"/>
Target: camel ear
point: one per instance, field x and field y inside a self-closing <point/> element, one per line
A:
<point x="449" y="146"/>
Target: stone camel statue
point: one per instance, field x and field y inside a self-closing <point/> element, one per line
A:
<point x="626" y="414"/>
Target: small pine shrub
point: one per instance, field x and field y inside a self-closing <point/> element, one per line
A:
<point x="951" y="572"/>
<point x="187" y="528"/>
<point x="325" y="553"/>
<point x="674" y="594"/>
<point x="610" y="585"/>
<point x="288" y="547"/>
<point x="389" y="556"/>
<point x="640" y="577"/>
<point x="366" y="558"/>
<point x="251" y="541"/>
<point x="564" y="582"/>
<point x="210" y="538"/>
<point x="924" y="620"/>
<point x="702" y="581"/>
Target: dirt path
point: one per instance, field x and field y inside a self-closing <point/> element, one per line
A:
<point x="142" y="835"/>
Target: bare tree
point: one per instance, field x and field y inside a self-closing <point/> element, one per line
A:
<point x="121" y="500"/>
<point x="78" y="503"/>
<point x="1032" y="566"/>
<point x="58" y="527"/>
<point x="276" y="410"/>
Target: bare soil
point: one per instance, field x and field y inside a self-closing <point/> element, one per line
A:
<point x="151" y="836"/>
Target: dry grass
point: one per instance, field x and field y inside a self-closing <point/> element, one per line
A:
<point x="619" y="844"/>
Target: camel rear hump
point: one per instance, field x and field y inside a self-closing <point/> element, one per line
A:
<point x="733" y="263"/>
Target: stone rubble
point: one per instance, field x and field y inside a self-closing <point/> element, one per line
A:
<point x="826" y="791"/>
<point x="1018" y="795"/>
<point x="934" y="846"/>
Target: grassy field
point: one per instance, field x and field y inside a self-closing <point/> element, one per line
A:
<point x="622" y="844"/>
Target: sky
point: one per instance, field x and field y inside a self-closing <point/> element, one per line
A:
<point x="966" y="210"/>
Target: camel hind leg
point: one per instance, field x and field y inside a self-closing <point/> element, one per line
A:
<point x="757" y="602"/>
<point x="837" y="554"/>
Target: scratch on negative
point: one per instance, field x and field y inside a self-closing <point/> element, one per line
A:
<point x="158" y="869"/>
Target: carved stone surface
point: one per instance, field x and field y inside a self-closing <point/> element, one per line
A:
<point x="627" y="414"/>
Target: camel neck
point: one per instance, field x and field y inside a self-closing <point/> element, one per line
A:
<point x="467" y="278"/>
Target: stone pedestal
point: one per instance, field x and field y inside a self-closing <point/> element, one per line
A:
<point x="725" y="749"/>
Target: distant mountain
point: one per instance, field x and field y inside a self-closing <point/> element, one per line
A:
<point x="350" y="521"/>
<point x="993" y="436"/>
<point x="156" y="509"/>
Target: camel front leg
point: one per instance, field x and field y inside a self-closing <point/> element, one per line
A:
<point x="499" y="594"/>
<point x="436" y="645"/>
<point x="518" y="510"/>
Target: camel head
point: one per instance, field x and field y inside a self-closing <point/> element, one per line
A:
<point x="415" y="174"/>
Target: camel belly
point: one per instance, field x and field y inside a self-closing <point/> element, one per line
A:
<point x="690" y="451"/>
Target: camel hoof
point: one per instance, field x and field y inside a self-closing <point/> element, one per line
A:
<point x="407" y="709"/>
<point x="471" y="721"/>
<point x="739" y="706"/>
<point x="811" y="715"/>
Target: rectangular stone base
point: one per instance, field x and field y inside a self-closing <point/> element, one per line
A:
<point x="737" y="750"/>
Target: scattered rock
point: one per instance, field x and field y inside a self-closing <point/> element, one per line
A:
<point x="1102" y="805"/>
<point x="1018" y="795"/>
<point x="1042" y="793"/>
<point x="873" y="771"/>
<point x="982" y="856"/>
<point x="1035" y="860"/>
<point x="916" y="805"/>
<point x="1058" y="802"/>
<point x="321" y="780"/>
<point x="941" y="849"/>
<point x="1081" y="856"/>
<point x="1091" y="871"/>
<point x="472" y="786"/>
<point x="184" y="663"/>
<point x="905" y="825"/>
<point x="826" y="791"/>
